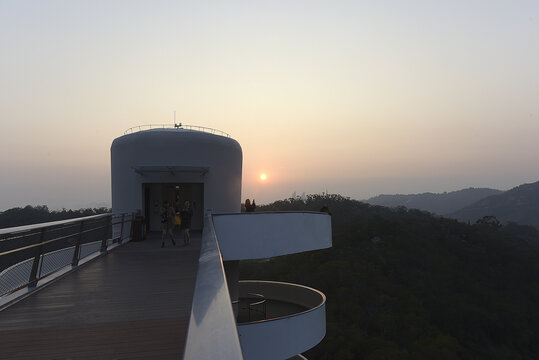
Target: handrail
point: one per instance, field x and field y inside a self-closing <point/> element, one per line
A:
<point x="138" y="128"/>
<point x="52" y="240"/>
<point x="320" y="294"/>
<point x="18" y="270"/>
<point x="212" y="331"/>
<point x="255" y="295"/>
<point x="72" y="223"/>
<point x="19" y="229"/>
<point x="251" y="306"/>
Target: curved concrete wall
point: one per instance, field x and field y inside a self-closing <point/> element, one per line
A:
<point x="220" y="157"/>
<point x="264" y="235"/>
<point x="286" y="336"/>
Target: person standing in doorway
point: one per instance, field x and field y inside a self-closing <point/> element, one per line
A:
<point x="167" y="223"/>
<point x="186" y="214"/>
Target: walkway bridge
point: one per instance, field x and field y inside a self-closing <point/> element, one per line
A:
<point x="127" y="302"/>
<point x="81" y="289"/>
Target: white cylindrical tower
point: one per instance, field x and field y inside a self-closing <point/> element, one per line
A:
<point x="153" y="166"/>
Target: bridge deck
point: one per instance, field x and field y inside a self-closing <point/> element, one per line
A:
<point x="133" y="303"/>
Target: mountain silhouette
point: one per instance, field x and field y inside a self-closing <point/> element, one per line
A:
<point x="520" y="205"/>
<point x="439" y="204"/>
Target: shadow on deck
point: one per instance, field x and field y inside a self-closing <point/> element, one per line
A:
<point x="133" y="303"/>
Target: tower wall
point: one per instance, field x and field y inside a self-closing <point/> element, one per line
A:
<point x="191" y="157"/>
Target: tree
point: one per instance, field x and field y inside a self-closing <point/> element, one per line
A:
<point x="490" y="221"/>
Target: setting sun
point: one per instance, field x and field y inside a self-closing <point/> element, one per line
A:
<point x="263" y="176"/>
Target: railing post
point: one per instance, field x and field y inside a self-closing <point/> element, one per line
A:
<point x="32" y="281"/>
<point x="76" y="254"/>
<point x="121" y="229"/>
<point x="132" y="226"/>
<point x="106" y="234"/>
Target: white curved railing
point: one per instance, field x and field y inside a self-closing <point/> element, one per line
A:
<point x="180" y="126"/>
<point x="212" y="332"/>
<point x="261" y="235"/>
<point x="296" y="320"/>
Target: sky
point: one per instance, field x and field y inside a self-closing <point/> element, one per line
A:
<point x="358" y="98"/>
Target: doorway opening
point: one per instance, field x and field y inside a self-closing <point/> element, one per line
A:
<point x="156" y="194"/>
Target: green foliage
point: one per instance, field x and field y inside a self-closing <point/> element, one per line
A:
<point x="489" y="220"/>
<point x="403" y="284"/>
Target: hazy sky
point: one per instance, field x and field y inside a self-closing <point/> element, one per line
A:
<point x="356" y="97"/>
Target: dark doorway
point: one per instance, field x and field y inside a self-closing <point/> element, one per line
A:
<point x="156" y="194"/>
<point x="147" y="206"/>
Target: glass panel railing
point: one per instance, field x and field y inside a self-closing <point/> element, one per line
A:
<point x="34" y="252"/>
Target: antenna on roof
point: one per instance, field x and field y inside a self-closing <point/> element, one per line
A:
<point x="177" y="126"/>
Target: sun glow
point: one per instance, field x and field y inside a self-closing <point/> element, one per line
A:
<point x="263" y="176"/>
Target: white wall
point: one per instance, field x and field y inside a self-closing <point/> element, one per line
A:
<point x="222" y="157"/>
<point x="267" y="234"/>
<point x="284" y="337"/>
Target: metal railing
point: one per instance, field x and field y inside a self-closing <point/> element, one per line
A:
<point x="251" y="308"/>
<point x="31" y="253"/>
<point x="134" y="129"/>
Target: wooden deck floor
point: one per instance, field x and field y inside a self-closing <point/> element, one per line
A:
<point x="133" y="303"/>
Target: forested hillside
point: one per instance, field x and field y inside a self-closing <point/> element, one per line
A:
<point x="39" y="214"/>
<point x="440" y="204"/>
<point x="520" y="205"/>
<point x="402" y="284"/>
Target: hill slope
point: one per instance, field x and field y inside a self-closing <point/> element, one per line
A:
<point x="520" y="204"/>
<point x="435" y="203"/>
<point x="402" y="284"/>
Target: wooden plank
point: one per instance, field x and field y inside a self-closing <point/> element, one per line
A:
<point x="134" y="303"/>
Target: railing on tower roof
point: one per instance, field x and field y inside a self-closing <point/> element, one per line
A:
<point x="138" y="128"/>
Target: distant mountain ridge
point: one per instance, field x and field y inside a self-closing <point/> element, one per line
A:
<point x="440" y="204"/>
<point x="520" y="205"/>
